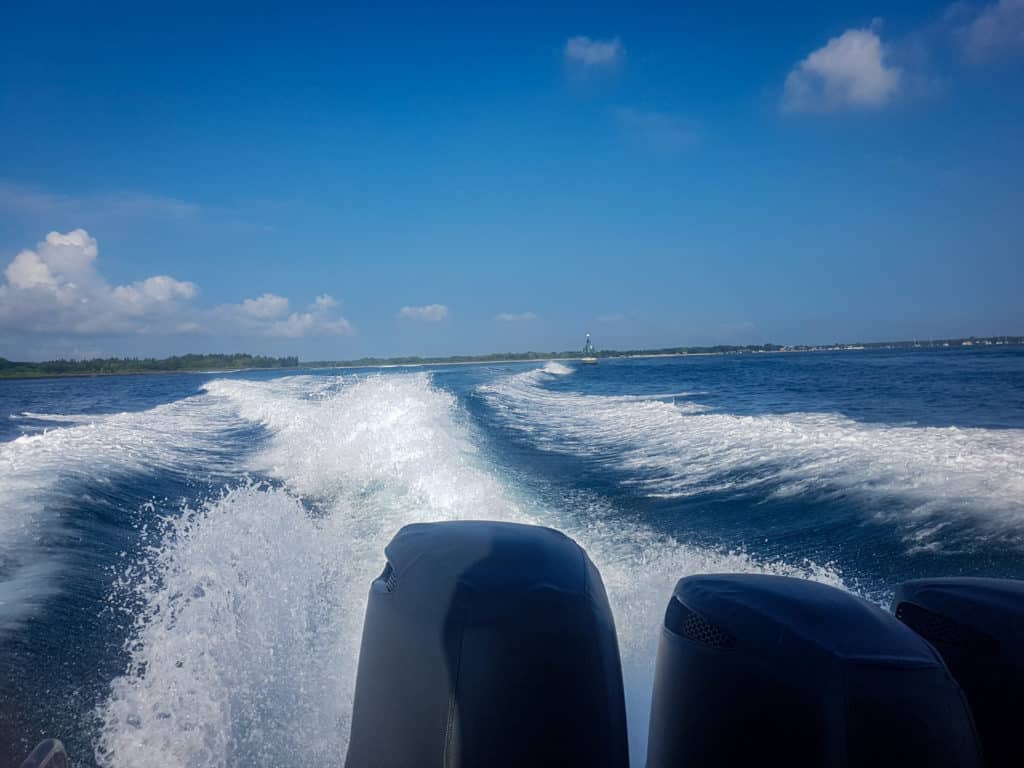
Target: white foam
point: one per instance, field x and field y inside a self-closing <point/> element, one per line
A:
<point x="554" y="368"/>
<point x="245" y="651"/>
<point x="241" y="642"/>
<point x="913" y="475"/>
<point x="660" y="396"/>
<point x="40" y="473"/>
<point x="61" y="418"/>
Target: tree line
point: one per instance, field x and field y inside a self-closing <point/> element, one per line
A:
<point x="112" y="365"/>
<point x="184" y="363"/>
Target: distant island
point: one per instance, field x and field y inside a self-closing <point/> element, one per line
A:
<point x="123" y="365"/>
<point x="720" y="349"/>
<point x="237" y="362"/>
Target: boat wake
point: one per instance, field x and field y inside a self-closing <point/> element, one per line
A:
<point x="922" y="478"/>
<point x="248" y="609"/>
<point x="43" y="476"/>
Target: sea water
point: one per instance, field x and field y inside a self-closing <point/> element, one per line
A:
<point x="184" y="559"/>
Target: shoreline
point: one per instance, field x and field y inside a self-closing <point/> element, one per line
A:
<point x="441" y="363"/>
<point x="350" y="367"/>
<point x="98" y="374"/>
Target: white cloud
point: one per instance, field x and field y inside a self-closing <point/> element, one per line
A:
<point x="56" y="289"/>
<point x="324" y="302"/>
<point x="140" y="296"/>
<point x="29" y="271"/>
<point x="59" y="259"/>
<point x="300" y="324"/>
<point x="513" y="317"/>
<point x="588" y="53"/>
<point x="849" y="72"/>
<point x="998" y="29"/>
<point x="318" y="320"/>
<point x="431" y="313"/>
<point x="266" y="307"/>
<point x="268" y="315"/>
<point x="657" y="129"/>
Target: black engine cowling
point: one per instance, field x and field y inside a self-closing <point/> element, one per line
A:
<point x="487" y="644"/>
<point x="978" y="627"/>
<point x="768" y="670"/>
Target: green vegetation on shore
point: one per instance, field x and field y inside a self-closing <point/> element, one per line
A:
<point x="194" y="363"/>
<point x="509" y="357"/>
<point x="721" y="349"/>
<point x="113" y="365"/>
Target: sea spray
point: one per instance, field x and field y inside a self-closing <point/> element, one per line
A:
<point x="919" y="478"/>
<point x="245" y="645"/>
<point x="44" y="474"/>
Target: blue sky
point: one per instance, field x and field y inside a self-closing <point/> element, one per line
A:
<point x="342" y="180"/>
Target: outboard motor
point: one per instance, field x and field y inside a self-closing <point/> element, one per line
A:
<point x="487" y="645"/>
<point x="768" y="670"/>
<point x="978" y="627"/>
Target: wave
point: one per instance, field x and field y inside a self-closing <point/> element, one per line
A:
<point x="920" y="477"/>
<point x="43" y="474"/>
<point x="553" y="368"/>
<point x="63" y="418"/>
<point x="244" y="650"/>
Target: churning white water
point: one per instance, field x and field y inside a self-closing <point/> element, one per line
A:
<point x="41" y="473"/>
<point x="248" y="610"/>
<point x="673" y="447"/>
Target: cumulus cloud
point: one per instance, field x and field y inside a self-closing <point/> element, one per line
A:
<point x="514" y="317"/>
<point x="308" y="324"/>
<point x="431" y="313"/>
<point x="29" y="271"/>
<point x="57" y="289"/>
<point x="324" y="302"/>
<point x="996" y="30"/>
<point x="270" y="315"/>
<point x="849" y="72"/>
<point x="586" y="52"/>
<point x="318" y="320"/>
<point x="266" y="307"/>
<point x="139" y="297"/>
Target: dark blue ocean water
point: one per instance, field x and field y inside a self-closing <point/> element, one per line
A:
<point x="184" y="559"/>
